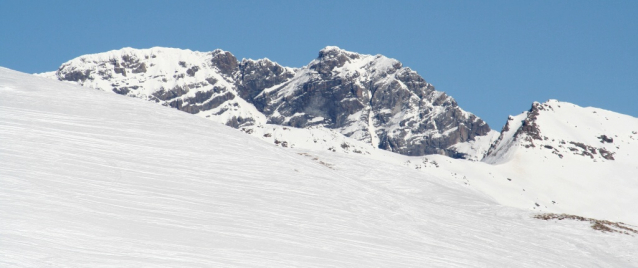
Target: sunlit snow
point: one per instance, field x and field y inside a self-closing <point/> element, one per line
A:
<point x="92" y="179"/>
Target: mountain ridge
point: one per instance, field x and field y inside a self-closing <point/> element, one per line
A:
<point x="373" y="99"/>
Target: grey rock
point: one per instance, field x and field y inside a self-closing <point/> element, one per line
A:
<point x="140" y="69"/>
<point x="326" y="93"/>
<point x="255" y="76"/>
<point x="225" y="62"/>
<point x="76" y="76"/>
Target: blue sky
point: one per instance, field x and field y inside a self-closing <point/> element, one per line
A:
<point x="494" y="57"/>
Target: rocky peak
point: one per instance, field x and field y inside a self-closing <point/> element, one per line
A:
<point x="225" y="62"/>
<point x="529" y="127"/>
<point x="370" y="98"/>
<point x="256" y="75"/>
<point x="373" y="99"/>
<point x="331" y="57"/>
<point x="332" y="52"/>
<point x="522" y="130"/>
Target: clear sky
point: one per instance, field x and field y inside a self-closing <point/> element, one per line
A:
<point x="494" y="57"/>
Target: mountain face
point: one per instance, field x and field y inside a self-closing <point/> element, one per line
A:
<point x="373" y="99"/>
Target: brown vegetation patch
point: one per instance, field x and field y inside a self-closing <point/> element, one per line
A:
<point x="599" y="225"/>
<point x="315" y="158"/>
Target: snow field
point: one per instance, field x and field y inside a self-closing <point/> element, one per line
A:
<point x="95" y="179"/>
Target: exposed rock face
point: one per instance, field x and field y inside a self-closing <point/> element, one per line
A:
<point x="252" y="77"/>
<point x="521" y="129"/>
<point x="370" y="98"/>
<point x="374" y="99"/>
<point x="529" y="127"/>
<point x="225" y="62"/>
<point x="194" y="82"/>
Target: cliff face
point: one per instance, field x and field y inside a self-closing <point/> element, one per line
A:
<point x="370" y="98"/>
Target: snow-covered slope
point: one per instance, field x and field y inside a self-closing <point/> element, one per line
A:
<point x="558" y="157"/>
<point x="90" y="179"/>
<point x="569" y="132"/>
<point x="476" y="149"/>
<point x="373" y="99"/>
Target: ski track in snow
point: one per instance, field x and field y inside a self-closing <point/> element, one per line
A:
<point x="91" y="179"/>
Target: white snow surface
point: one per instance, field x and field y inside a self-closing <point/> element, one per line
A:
<point x="91" y="179"/>
<point x="312" y="138"/>
<point x="556" y="174"/>
<point x="477" y="148"/>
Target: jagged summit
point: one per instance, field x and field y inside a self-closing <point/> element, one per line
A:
<point x="331" y="51"/>
<point x="376" y="99"/>
<point x="332" y="57"/>
<point x="331" y="48"/>
<point x="370" y="98"/>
